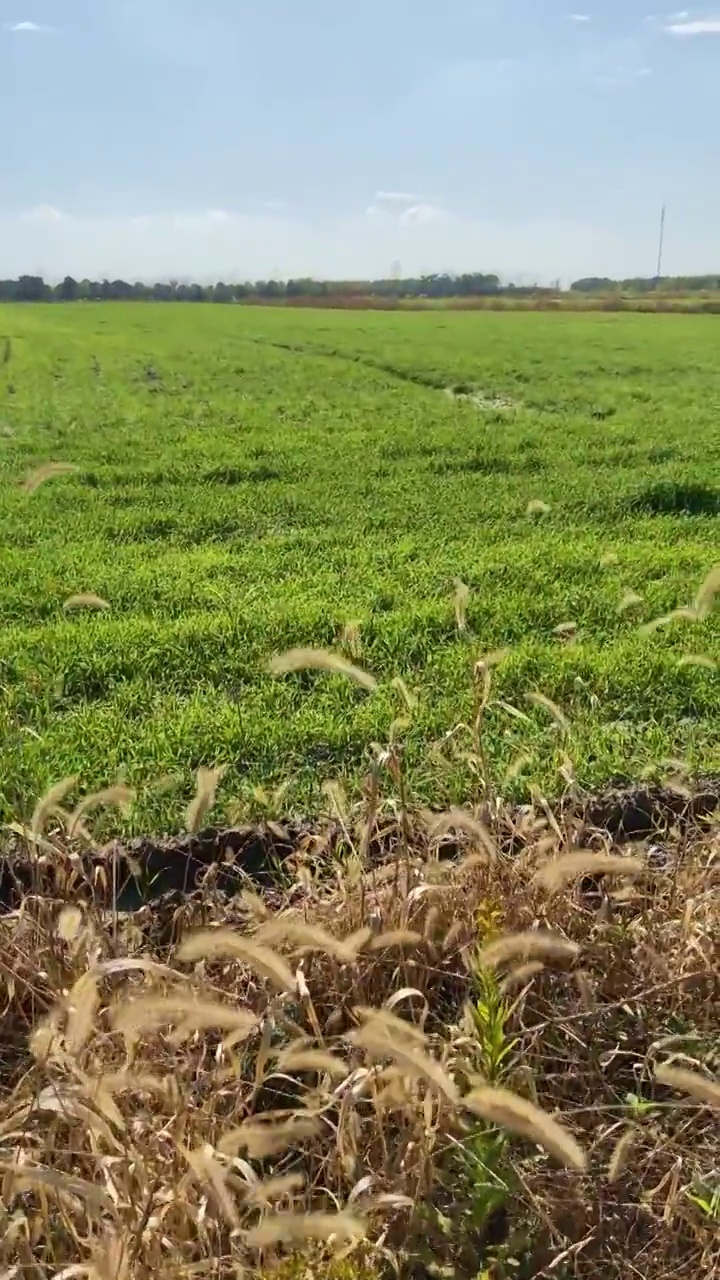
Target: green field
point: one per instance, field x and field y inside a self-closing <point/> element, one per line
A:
<point x="254" y="479"/>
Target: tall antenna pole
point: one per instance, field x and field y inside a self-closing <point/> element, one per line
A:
<point x="661" y="244"/>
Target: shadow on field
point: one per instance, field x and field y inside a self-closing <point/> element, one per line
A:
<point x="243" y="475"/>
<point x="671" y="498"/>
<point x="484" y="464"/>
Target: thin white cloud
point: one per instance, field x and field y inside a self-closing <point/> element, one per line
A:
<point x="36" y="28"/>
<point x="417" y="213"/>
<point x="420" y="213"/>
<point x="196" y="245"/>
<point x="396" y="197"/>
<point x="700" y="27"/>
<point x="42" y="213"/>
<point x="579" y="17"/>
<point x="679" y="17"/>
<point x="643" y="71"/>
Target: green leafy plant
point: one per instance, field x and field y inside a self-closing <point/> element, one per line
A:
<point x="706" y="1198"/>
<point x="478" y="1176"/>
<point x="640" y="1108"/>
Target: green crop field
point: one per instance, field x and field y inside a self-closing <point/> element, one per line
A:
<point x="254" y="479"/>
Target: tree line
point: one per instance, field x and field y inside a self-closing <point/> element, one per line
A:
<point x="35" y="289"/>
<point x="29" y="288"/>
<point x="471" y="284"/>
<point x="647" y="284"/>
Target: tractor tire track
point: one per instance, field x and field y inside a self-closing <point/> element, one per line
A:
<point x="430" y="382"/>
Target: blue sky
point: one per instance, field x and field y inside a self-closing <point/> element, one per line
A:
<point x="245" y="138"/>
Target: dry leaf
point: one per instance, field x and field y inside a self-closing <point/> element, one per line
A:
<point x="700" y="1088"/>
<point x="149" y="1013"/>
<point x="204" y="799"/>
<point x="46" y="472"/>
<point x="705" y="598"/>
<point x="539" y="700"/>
<point x="619" y="1158"/>
<point x="85" y="600"/>
<point x="293" y="1228"/>
<point x="558" y="872"/>
<point x="508" y="1111"/>
<point x="209" y="944"/>
<point x="320" y="660"/>
<point x="534" y="944"/>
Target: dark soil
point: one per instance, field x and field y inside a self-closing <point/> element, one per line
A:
<point x="224" y="860"/>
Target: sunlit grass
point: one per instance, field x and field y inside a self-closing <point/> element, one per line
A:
<point x="250" y="480"/>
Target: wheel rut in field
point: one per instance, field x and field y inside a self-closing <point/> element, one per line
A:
<point x="459" y="391"/>
<point x="431" y="382"/>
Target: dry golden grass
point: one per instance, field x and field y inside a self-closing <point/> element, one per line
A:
<point x="46" y="472"/>
<point x="303" y="1092"/>
<point x="320" y="660"/>
<point x="85" y="600"/>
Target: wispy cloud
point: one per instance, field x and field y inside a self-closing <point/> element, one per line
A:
<point x="42" y="213"/>
<point x="579" y="17"/>
<point x="34" y="28"/>
<point x="699" y="27"/>
<point x="417" y="214"/>
<point x="420" y="213"/>
<point x="396" y="197"/>
<point x="620" y="75"/>
<point x="194" y="244"/>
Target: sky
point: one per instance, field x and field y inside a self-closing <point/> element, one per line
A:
<point x="242" y="139"/>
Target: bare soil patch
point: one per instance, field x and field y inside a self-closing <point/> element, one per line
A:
<point x="226" y="859"/>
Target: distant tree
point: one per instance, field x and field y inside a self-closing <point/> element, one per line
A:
<point x="593" y="284"/>
<point x="271" y="289"/>
<point x="68" y="290"/>
<point x="162" y="293"/>
<point x="30" y="289"/>
<point x="120" y="289"/>
<point x="648" y="284"/>
<point x="304" y="288"/>
<point x="222" y="292"/>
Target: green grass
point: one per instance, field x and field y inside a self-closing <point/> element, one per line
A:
<point x="253" y="479"/>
